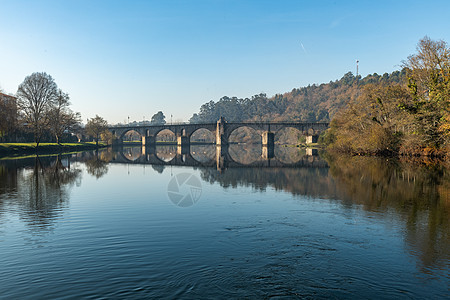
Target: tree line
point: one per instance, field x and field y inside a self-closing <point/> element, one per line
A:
<point x="405" y="112"/>
<point x="40" y="111"/>
<point x="314" y="103"/>
<point x="408" y="117"/>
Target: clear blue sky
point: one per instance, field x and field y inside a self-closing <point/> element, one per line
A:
<point x="134" y="58"/>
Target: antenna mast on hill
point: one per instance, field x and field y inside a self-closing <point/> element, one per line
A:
<point x="357" y="61"/>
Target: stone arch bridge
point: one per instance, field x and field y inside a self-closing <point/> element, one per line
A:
<point x="222" y="131"/>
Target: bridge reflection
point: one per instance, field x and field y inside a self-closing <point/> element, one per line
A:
<point x="211" y="156"/>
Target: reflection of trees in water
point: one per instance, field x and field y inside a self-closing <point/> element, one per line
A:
<point x="158" y="168"/>
<point x="301" y="181"/>
<point x="416" y="195"/>
<point x="97" y="165"/>
<point x="8" y="178"/>
<point x="249" y="153"/>
<point x="43" y="190"/>
<point x="419" y="194"/>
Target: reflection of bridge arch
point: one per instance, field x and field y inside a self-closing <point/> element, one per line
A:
<point x="244" y="155"/>
<point x="223" y="160"/>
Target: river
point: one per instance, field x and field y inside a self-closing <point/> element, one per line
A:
<point x="134" y="223"/>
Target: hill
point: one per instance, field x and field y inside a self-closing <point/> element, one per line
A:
<point x="314" y="103"/>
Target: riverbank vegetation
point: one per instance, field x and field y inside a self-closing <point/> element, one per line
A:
<point x="43" y="148"/>
<point x="409" y="117"/>
<point x="41" y="112"/>
<point x="406" y="112"/>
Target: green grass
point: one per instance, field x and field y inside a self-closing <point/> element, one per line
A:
<point x="19" y="148"/>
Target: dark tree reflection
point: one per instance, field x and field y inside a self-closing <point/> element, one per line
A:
<point x="44" y="190"/>
<point x="417" y="192"/>
<point x="158" y="168"/>
<point x="97" y="165"/>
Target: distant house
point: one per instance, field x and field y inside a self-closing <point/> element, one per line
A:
<point x="8" y="116"/>
<point x="7" y="98"/>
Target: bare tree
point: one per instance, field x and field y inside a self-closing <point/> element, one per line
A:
<point x="61" y="117"/>
<point x="36" y="95"/>
<point x="95" y="127"/>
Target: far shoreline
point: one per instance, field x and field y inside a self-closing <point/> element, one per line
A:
<point x="7" y="149"/>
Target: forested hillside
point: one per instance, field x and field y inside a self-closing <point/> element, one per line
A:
<point x="409" y="118"/>
<point x="314" y="103"/>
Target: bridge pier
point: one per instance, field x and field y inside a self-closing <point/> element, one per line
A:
<point x="183" y="141"/>
<point x="312" y="139"/>
<point x="183" y="149"/>
<point x="268" y="139"/>
<point x="222" y="157"/>
<point x="268" y="145"/>
<point x="148" y="149"/>
<point x="268" y="152"/>
<point x="221" y="138"/>
<point x="148" y="140"/>
<point x="117" y="143"/>
<point x="312" y="152"/>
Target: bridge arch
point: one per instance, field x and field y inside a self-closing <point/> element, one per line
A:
<point x="202" y="135"/>
<point x="132" y="133"/>
<point x="165" y="135"/>
<point x="245" y="134"/>
<point x="289" y="135"/>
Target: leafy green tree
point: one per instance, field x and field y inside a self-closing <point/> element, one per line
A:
<point x="158" y="118"/>
<point x="95" y="127"/>
<point x="429" y="85"/>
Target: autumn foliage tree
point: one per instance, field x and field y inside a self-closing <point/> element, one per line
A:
<point x="429" y="85"/>
<point x="95" y="127"/>
<point x="373" y="122"/>
<point x="410" y="117"/>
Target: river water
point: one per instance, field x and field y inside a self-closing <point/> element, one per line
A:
<point x="138" y="223"/>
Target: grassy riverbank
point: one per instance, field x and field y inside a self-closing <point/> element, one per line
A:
<point x="25" y="148"/>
